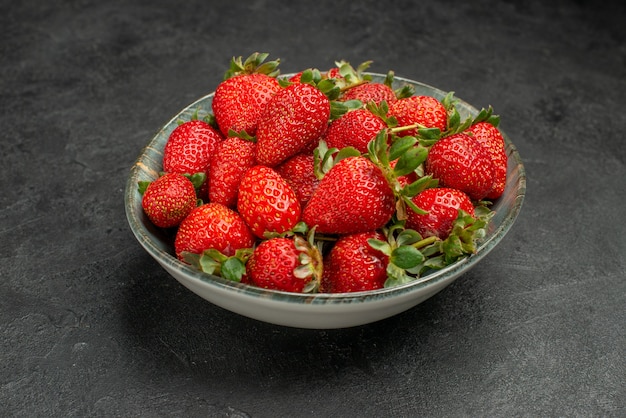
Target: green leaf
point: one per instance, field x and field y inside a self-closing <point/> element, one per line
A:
<point x="408" y="237"/>
<point x="400" y="145"/>
<point x="197" y="179"/>
<point x="419" y="185"/>
<point x="142" y="186"/>
<point x="381" y="246"/>
<point x="406" y="257"/>
<point x="410" y="160"/>
<point x="429" y="133"/>
<point x="233" y="269"/>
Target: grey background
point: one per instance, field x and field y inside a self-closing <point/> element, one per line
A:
<point x="90" y="325"/>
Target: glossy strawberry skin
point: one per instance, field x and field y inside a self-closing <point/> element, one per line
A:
<point x="442" y="205"/>
<point x="491" y="138"/>
<point x="293" y="120"/>
<point x="190" y="147"/>
<point x="352" y="265"/>
<point x="212" y="225"/>
<point x="240" y="100"/>
<point x="353" y="196"/>
<point x="356" y="128"/>
<point x="370" y="92"/>
<point x="266" y="201"/>
<point x="232" y="158"/>
<point x="460" y="162"/>
<point x="169" y="199"/>
<point x="424" y="110"/>
<point x="272" y="266"/>
<point x="299" y="172"/>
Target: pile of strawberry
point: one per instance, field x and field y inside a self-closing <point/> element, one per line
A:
<point x="326" y="181"/>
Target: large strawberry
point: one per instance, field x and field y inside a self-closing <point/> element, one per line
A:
<point x="442" y="206"/>
<point x="421" y="111"/>
<point x="266" y="201"/>
<point x="289" y="264"/>
<point x="233" y="157"/>
<point x="190" y="147"/>
<point x="491" y="138"/>
<point x="355" y="128"/>
<point x="169" y="199"/>
<point x="352" y="265"/>
<point x="212" y="226"/>
<point x="299" y="172"/>
<point x="293" y="119"/>
<point x="240" y="99"/>
<point x="460" y="162"/>
<point x="353" y="196"/>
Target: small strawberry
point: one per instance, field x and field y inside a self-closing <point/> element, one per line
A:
<point x="190" y="147"/>
<point x="460" y="162"/>
<point x="491" y="138"/>
<point x="352" y="265"/>
<point x="356" y="128"/>
<point x="421" y="111"/>
<point x="241" y="98"/>
<point x="299" y="172"/>
<point x="212" y="226"/>
<point x="266" y="202"/>
<point x="293" y="119"/>
<point x="233" y="157"/>
<point x="370" y="92"/>
<point x="353" y="196"/>
<point x="289" y="264"/>
<point x="442" y="205"/>
<point x="169" y="199"/>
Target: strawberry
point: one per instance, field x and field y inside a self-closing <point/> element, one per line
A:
<point x="355" y="128"/>
<point x="285" y="263"/>
<point x="353" y="196"/>
<point x="460" y="162"/>
<point x="266" y="201"/>
<point x="299" y="172"/>
<point x="370" y="92"/>
<point x="293" y="119"/>
<point x="352" y="265"/>
<point x="212" y="226"/>
<point x="233" y="157"/>
<point x="169" y="199"/>
<point x="490" y="137"/>
<point x="442" y="205"/>
<point x="422" y="111"/>
<point x="240" y="99"/>
<point x="190" y="147"/>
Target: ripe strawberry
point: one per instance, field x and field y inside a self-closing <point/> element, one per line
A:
<point x="266" y="201"/>
<point x="240" y="99"/>
<point x="370" y="92"/>
<point x="425" y="111"/>
<point x="355" y="128"/>
<point x="461" y="162"/>
<point x="299" y="172"/>
<point x="190" y="147"/>
<point x="233" y="157"/>
<point x="212" y="226"/>
<point x="295" y="117"/>
<point x="169" y="199"/>
<point x="352" y="265"/>
<point x="287" y="264"/>
<point x="491" y="138"/>
<point x="442" y="205"/>
<point x="353" y="196"/>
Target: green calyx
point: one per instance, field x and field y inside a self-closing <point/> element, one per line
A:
<point x="214" y="262"/>
<point x="255" y="63"/>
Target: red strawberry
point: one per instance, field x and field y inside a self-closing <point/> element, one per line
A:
<point x="233" y="157"/>
<point x="286" y="264"/>
<point x="212" y="226"/>
<point x="190" y="147"/>
<point x="353" y="265"/>
<point x="354" y="196"/>
<point x="442" y="205"/>
<point x="370" y="92"/>
<point x="426" y="111"/>
<point x="461" y="162"/>
<point x="295" y="117"/>
<point x="169" y="199"/>
<point x="491" y="138"/>
<point x="299" y="172"/>
<point x="355" y="128"/>
<point x="266" y="201"/>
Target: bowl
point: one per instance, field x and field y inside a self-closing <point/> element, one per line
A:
<point x="314" y="311"/>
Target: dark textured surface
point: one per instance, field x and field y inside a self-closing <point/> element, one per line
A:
<point x="90" y="325"/>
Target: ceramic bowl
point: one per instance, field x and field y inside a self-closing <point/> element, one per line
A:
<point x="317" y="311"/>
